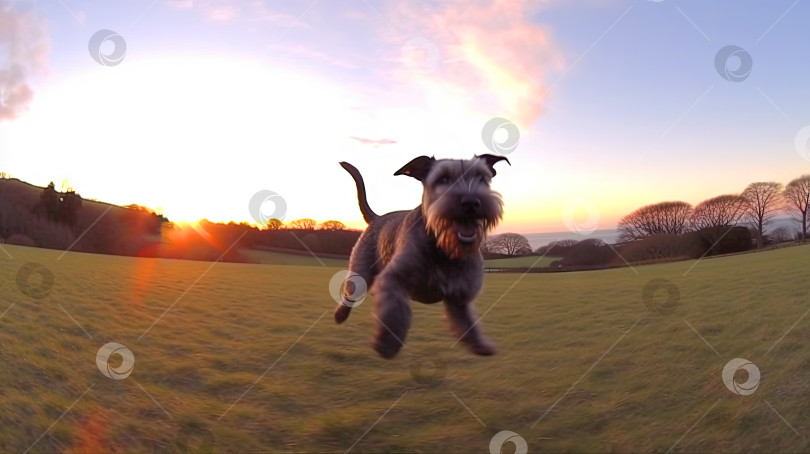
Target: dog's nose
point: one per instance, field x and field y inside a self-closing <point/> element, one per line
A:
<point x="470" y="204"/>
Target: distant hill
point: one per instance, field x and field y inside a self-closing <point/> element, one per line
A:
<point x="104" y="228"/>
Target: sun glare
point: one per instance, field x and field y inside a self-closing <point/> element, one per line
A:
<point x="181" y="132"/>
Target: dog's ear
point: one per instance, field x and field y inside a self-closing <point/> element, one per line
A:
<point x="418" y="168"/>
<point x="491" y="159"/>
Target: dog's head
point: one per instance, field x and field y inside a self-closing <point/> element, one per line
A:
<point x="457" y="202"/>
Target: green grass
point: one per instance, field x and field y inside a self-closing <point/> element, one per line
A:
<point x="529" y="261"/>
<point x="280" y="258"/>
<point x="580" y="348"/>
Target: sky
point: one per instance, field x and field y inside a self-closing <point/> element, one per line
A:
<point x="194" y="106"/>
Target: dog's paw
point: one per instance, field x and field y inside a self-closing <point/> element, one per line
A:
<point x="484" y="349"/>
<point x="387" y="348"/>
<point x="342" y="313"/>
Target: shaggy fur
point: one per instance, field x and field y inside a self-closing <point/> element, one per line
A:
<point x="429" y="254"/>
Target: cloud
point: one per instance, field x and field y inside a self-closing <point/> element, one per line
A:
<point x="24" y="47"/>
<point x="492" y="48"/>
<point x="376" y="143"/>
<point x="255" y="11"/>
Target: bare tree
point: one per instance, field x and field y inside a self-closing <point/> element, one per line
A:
<point x="797" y="202"/>
<point x="780" y="235"/>
<point x="509" y="244"/>
<point x="720" y="211"/>
<point x="273" y="224"/>
<point x="762" y="202"/>
<point x="303" y="224"/>
<point x="333" y="225"/>
<point x="659" y="218"/>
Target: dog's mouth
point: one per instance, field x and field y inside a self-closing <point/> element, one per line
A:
<point x="467" y="232"/>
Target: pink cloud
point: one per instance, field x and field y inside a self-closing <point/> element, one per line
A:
<point x="250" y="11"/>
<point x="24" y="47"/>
<point x="376" y="143"/>
<point x="493" y="48"/>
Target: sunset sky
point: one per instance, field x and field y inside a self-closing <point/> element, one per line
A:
<point x="619" y="103"/>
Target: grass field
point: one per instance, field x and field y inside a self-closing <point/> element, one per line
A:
<point x="529" y="261"/>
<point x="235" y="357"/>
<point x="280" y="258"/>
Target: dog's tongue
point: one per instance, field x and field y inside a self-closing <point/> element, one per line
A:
<point x="466" y="232"/>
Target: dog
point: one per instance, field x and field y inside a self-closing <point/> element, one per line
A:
<point x="429" y="254"/>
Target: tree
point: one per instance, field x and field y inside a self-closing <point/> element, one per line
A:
<point x="333" y="225"/>
<point x="70" y="204"/>
<point x="780" y="235"/>
<point x="762" y="201"/>
<point x="556" y="248"/>
<point x="273" y="224"/>
<point x="720" y="211"/>
<point x="303" y="224"/>
<point x="797" y="202"/>
<point x="656" y="219"/>
<point x="509" y="244"/>
<point x="49" y="202"/>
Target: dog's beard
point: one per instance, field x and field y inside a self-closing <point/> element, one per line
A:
<point x="458" y="237"/>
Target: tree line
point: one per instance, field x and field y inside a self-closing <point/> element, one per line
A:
<point x="675" y="229"/>
<point x="756" y="206"/>
<point x="303" y="224"/>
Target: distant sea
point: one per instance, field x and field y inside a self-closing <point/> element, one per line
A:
<point x="610" y="236"/>
<point x="541" y="239"/>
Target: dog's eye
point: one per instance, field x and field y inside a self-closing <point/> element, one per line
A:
<point x="443" y="180"/>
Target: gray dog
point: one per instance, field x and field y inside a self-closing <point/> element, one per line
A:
<point x="430" y="253"/>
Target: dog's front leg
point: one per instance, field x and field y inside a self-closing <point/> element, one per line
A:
<point x="462" y="320"/>
<point x="392" y="310"/>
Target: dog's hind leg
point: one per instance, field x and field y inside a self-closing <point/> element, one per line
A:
<point x="361" y="265"/>
<point x="462" y="320"/>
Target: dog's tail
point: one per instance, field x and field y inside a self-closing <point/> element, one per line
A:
<point x="368" y="214"/>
